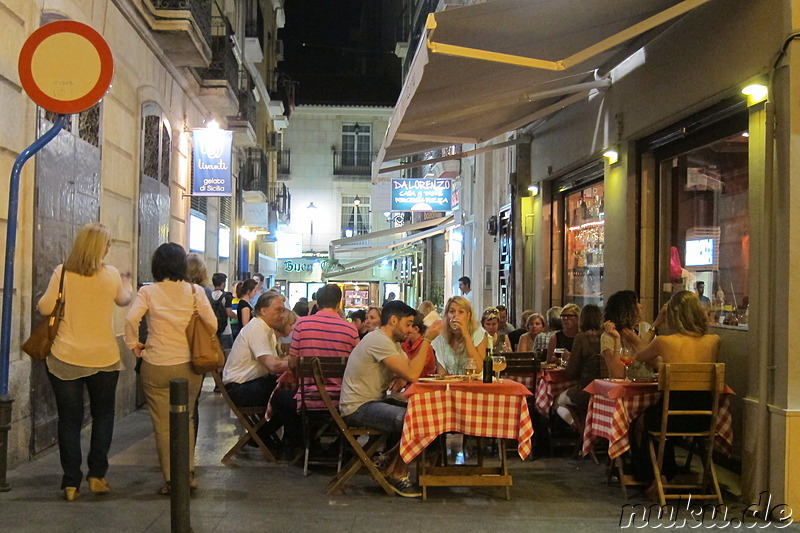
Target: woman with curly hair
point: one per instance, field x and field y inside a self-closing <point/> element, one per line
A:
<point x="460" y="340"/>
<point x="622" y="330"/>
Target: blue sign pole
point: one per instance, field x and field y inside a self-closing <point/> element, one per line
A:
<point x="11" y="246"/>
<point x="8" y="292"/>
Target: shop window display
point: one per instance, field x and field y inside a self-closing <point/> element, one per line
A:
<point x="708" y="226"/>
<point x="584" y="212"/>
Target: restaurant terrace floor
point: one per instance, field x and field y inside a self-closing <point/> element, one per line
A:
<point x="251" y="495"/>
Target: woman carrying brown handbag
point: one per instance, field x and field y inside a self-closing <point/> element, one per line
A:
<point x="169" y="304"/>
<point x="85" y="355"/>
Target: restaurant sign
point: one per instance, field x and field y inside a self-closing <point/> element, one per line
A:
<point x="421" y="194"/>
<point x="212" y="162"/>
<point x="301" y="265"/>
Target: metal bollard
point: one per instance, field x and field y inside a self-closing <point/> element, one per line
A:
<point x="5" y="425"/>
<point x="179" y="455"/>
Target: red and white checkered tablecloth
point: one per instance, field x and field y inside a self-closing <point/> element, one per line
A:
<point x="610" y="418"/>
<point x="550" y="384"/>
<point x="483" y="410"/>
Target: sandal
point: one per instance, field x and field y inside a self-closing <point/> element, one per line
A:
<point x="165" y="489"/>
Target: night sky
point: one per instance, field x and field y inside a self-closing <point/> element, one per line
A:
<point x="341" y="52"/>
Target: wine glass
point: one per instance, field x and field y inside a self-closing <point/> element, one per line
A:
<point x="626" y="358"/>
<point x="470" y="368"/>
<point x="498" y="365"/>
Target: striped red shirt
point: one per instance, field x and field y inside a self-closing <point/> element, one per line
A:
<point x="324" y="334"/>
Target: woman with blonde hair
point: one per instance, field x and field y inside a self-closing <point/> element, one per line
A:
<point x="85" y="354"/>
<point x="563" y="339"/>
<point x="169" y="304"/>
<point x="534" y="325"/>
<point x="460" y="340"/>
<point x="490" y="322"/>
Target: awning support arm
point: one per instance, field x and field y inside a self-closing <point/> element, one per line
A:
<point x="562" y="64"/>
<point x="519" y="140"/>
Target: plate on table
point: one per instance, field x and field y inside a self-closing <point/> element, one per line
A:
<point x="444" y="379"/>
<point x="615" y="380"/>
<point x="549" y="367"/>
<point x="645" y="380"/>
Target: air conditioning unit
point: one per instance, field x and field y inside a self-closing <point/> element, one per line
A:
<point x="279" y="50"/>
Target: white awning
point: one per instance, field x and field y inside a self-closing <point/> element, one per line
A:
<point x="474" y="76"/>
<point x="389" y="243"/>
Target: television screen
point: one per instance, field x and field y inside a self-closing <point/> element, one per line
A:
<point x="699" y="252"/>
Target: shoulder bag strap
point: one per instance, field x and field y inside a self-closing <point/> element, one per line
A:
<point x="60" y="299"/>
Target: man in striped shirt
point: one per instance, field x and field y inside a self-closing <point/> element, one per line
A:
<point x="324" y="334"/>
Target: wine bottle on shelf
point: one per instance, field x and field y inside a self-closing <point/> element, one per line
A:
<point x="487" y="360"/>
<point x="584" y="208"/>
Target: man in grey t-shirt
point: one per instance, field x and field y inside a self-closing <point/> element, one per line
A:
<point x="378" y="364"/>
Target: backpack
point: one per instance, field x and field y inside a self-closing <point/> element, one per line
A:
<point x="220" y="312"/>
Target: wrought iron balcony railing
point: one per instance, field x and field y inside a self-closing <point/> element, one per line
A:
<point x="254" y="173"/>
<point x="353" y="163"/>
<point x="200" y="10"/>
<point x="223" y="61"/>
<point x="284" y="162"/>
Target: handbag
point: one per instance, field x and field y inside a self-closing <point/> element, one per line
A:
<point x="204" y="346"/>
<point x="44" y="333"/>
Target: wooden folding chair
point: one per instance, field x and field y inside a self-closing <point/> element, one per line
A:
<point x="363" y="455"/>
<point x="680" y="377"/>
<point x="316" y="422"/>
<point x="251" y="419"/>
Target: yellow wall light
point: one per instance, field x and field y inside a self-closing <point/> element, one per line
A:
<point x="534" y="190"/>
<point x="756" y="93"/>
<point x="612" y="156"/>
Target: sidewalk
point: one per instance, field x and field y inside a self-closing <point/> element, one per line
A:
<point x="251" y="495"/>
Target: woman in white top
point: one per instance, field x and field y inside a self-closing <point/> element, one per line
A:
<point x="460" y="340"/>
<point x="85" y="354"/>
<point x="169" y="304"/>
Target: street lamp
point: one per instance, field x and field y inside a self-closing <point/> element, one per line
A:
<point x="311" y="209"/>
<point x="356" y="203"/>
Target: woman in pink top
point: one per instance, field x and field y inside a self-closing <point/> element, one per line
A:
<point x="169" y="304"/>
<point x="85" y="354"/>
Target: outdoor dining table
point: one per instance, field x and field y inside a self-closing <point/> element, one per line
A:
<point x="495" y="410"/>
<point x="615" y="403"/>
<point x="550" y="382"/>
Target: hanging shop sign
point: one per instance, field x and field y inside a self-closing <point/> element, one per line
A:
<point x="212" y="162"/>
<point x="421" y="194"/>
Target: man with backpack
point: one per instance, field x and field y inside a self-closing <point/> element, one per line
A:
<point x="221" y="304"/>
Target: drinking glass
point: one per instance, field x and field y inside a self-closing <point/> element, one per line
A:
<point x="498" y="365"/>
<point x="626" y="358"/>
<point x="471" y="368"/>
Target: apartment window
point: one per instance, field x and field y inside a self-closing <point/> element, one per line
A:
<point x="356" y="144"/>
<point x="355" y="215"/>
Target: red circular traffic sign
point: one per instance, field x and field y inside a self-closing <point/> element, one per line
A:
<point x="66" y="66"/>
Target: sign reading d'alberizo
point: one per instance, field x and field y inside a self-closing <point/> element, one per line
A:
<point x="212" y="162"/>
<point x="421" y="194"/>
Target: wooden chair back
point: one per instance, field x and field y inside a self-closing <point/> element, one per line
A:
<point x="689" y="377"/>
<point x="332" y="367"/>
<point x="251" y="419"/>
<point x="363" y="455"/>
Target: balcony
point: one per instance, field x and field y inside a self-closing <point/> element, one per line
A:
<point x="219" y="82"/>
<point x="284" y="162"/>
<point x="244" y="123"/>
<point x="353" y="164"/>
<point x="254" y="176"/>
<point x="280" y="201"/>
<point x="182" y="28"/>
<point x="253" y="33"/>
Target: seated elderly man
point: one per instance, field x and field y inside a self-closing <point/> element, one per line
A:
<point x="254" y="363"/>
<point x="376" y="365"/>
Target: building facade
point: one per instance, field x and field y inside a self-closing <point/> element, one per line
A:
<point x="127" y="161"/>
<point x="640" y="165"/>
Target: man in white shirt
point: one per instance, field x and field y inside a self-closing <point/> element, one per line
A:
<point x="253" y="366"/>
<point x="377" y="364"/>
<point x="465" y="286"/>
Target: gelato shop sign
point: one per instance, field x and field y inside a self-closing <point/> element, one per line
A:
<point x="212" y="162"/>
<point x="421" y="194"/>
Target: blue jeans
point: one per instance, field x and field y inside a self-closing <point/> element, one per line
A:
<point x="102" y="388"/>
<point x="379" y="415"/>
